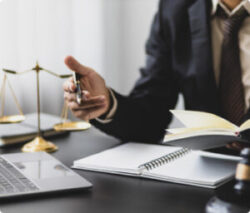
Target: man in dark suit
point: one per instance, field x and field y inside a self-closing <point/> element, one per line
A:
<point x="200" y="48"/>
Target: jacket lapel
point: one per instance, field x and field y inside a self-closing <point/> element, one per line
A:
<point x="202" y="63"/>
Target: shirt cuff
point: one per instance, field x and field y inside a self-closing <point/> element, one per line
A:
<point x="112" y="111"/>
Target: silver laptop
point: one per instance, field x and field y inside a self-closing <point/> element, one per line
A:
<point x="33" y="173"/>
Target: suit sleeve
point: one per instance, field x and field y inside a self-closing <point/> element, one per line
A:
<point x="143" y="115"/>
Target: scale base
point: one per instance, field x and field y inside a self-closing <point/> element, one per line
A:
<point x="12" y="119"/>
<point x="38" y="145"/>
<point x="72" y="126"/>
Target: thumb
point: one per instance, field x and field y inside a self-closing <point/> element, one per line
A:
<point x="75" y="66"/>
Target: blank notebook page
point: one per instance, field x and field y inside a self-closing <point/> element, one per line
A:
<point x="195" y="168"/>
<point x="124" y="157"/>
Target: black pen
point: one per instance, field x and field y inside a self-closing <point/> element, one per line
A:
<point x="77" y="78"/>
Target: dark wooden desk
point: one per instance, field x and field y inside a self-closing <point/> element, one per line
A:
<point x="111" y="193"/>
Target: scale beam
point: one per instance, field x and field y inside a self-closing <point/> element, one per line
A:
<point x="15" y="72"/>
<point x="59" y="76"/>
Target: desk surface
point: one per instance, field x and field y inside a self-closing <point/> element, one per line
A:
<point x="111" y="193"/>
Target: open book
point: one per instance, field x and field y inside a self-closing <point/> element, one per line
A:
<point x="27" y="130"/>
<point x="172" y="164"/>
<point x="205" y="130"/>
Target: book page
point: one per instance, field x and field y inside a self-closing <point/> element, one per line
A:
<point x="245" y="125"/>
<point x="196" y="119"/>
<point x="185" y="130"/>
<point x="182" y="131"/>
<point x="185" y="135"/>
<point x="124" y="158"/>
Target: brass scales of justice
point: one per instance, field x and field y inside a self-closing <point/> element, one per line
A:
<point x="38" y="143"/>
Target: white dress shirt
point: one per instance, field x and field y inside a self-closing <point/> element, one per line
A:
<point x="217" y="39"/>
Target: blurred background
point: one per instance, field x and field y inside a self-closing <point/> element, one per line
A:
<point x="107" y="35"/>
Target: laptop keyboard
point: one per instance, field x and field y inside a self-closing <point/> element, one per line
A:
<point x="13" y="181"/>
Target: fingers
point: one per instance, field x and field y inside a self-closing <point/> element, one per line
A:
<point x="71" y="97"/>
<point x="75" y="66"/>
<point x="69" y="86"/>
<point x="229" y="146"/>
<point x="86" y="104"/>
<point x="88" y="113"/>
<point x="235" y="146"/>
<point x="75" y="107"/>
<point x="85" y="95"/>
<point x="88" y="109"/>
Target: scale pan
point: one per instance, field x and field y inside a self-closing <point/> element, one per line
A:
<point x="12" y="119"/>
<point x="72" y="126"/>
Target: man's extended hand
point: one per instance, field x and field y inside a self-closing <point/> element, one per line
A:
<point x="95" y="100"/>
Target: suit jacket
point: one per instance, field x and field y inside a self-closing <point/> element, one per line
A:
<point x="179" y="60"/>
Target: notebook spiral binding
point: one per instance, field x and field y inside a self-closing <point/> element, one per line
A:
<point x="164" y="159"/>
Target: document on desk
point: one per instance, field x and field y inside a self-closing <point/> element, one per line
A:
<point x="171" y="164"/>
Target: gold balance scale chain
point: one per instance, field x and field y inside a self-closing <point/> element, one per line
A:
<point x="38" y="143"/>
<point x="12" y="118"/>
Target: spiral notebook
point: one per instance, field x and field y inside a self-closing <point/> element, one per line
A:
<point x="172" y="164"/>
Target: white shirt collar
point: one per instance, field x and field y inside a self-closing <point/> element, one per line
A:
<point x="244" y="3"/>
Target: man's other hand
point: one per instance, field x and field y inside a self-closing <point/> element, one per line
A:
<point x="95" y="94"/>
<point x="237" y="146"/>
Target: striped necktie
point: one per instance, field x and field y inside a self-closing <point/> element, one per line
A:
<point x="231" y="92"/>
